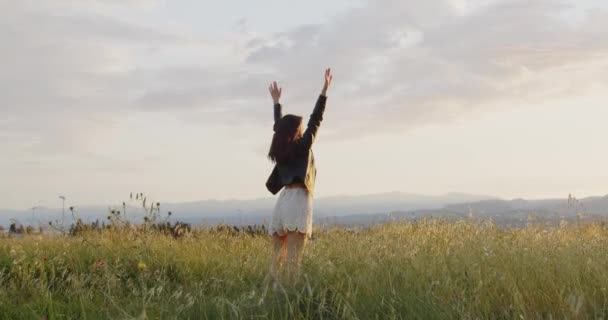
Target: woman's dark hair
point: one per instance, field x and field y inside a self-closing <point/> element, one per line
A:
<point x="287" y="132"/>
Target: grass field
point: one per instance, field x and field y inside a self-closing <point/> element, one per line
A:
<point x="423" y="270"/>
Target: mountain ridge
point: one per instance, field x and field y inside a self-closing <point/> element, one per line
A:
<point x="346" y="210"/>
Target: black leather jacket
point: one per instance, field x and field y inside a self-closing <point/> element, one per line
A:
<point x="302" y="168"/>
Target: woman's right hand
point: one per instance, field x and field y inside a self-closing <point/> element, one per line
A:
<point x="328" y="78"/>
<point x="275" y="92"/>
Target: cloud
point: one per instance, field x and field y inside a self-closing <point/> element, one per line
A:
<point x="72" y="65"/>
<point x="405" y="63"/>
<point x="65" y="71"/>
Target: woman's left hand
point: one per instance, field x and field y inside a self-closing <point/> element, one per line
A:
<point x="275" y="92"/>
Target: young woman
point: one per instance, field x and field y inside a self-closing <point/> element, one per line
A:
<point x="295" y="173"/>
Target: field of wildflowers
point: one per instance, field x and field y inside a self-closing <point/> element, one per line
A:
<point x="422" y="270"/>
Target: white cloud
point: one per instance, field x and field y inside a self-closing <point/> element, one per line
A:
<point x="502" y="51"/>
<point x="387" y="55"/>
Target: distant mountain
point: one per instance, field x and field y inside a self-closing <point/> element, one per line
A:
<point x="351" y="210"/>
<point x="387" y="202"/>
<point x="239" y="212"/>
<point x="514" y="213"/>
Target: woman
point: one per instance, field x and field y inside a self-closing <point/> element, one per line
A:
<point x="294" y="172"/>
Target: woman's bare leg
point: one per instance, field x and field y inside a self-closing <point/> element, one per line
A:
<point x="279" y="254"/>
<point x="295" y="248"/>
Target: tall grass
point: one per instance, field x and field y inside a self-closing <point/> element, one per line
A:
<point x="423" y="270"/>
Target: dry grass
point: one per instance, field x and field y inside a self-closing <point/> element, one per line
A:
<point x="424" y="270"/>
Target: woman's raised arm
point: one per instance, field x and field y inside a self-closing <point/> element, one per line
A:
<point x="275" y="93"/>
<point x="328" y="78"/>
<point x="317" y="114"/>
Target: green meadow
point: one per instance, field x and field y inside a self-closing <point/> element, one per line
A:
<point x="421" y="270"/>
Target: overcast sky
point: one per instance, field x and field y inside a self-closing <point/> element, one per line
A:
<point x="499" y="97"/>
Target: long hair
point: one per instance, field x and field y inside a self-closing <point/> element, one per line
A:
<point x="287" y="132"/>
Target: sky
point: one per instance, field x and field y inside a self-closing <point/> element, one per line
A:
<point x="498" y="97"/>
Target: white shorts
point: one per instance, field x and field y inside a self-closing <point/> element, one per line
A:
<point x="292" y="212"/>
